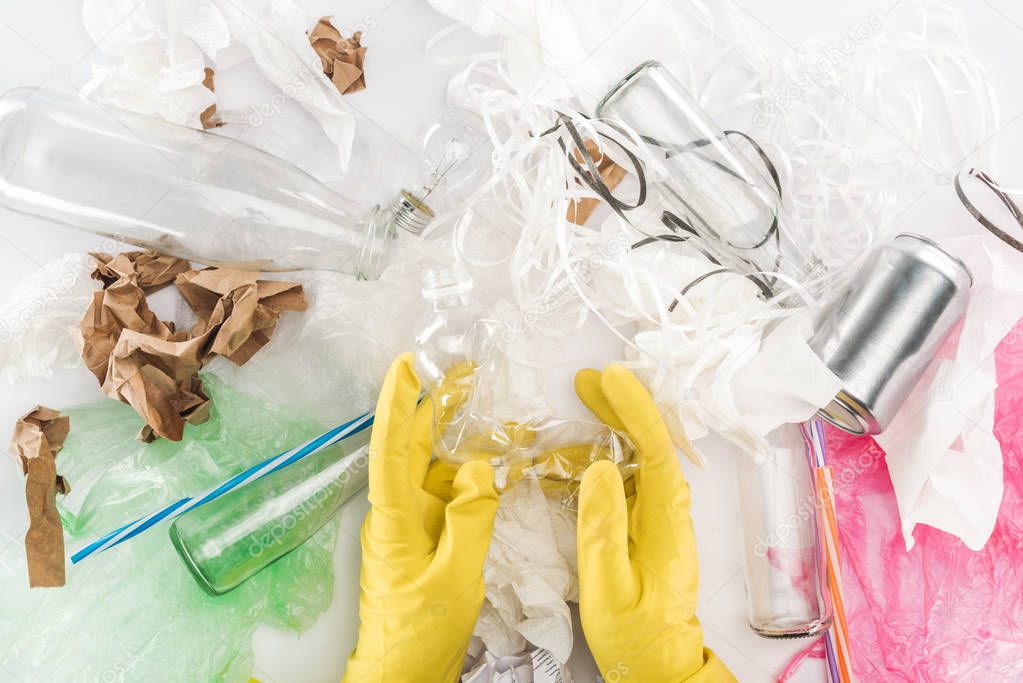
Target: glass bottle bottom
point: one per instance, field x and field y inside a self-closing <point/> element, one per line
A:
<point x="189" y="561"/>
<point x="780" y="629"/>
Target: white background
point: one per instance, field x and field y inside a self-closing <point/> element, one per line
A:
<point x="44" y="42"/>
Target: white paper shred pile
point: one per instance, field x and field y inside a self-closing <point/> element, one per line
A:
<point x="723" y="362"/>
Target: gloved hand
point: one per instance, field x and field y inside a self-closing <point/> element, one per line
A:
<point x="637" y="563"/>
<point x="422" y="558"/>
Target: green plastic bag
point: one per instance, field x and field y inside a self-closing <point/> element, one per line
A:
<point x="134" y="613"/>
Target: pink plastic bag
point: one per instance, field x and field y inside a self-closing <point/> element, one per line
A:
<point x="940" y="612"/>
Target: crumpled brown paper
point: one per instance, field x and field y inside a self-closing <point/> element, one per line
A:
<point x="121" y="304"/>
<point x="243" y="307"/>
<point x="153" y="270"/>
<point x="157" y="377"/>
<point x="144" y="362"/>
<point x="611" y="173"/>
<point x="342" y="58"/>
<point x="38" y="437"/>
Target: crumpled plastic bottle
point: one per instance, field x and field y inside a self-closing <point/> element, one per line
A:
<point x="134" y="613"/>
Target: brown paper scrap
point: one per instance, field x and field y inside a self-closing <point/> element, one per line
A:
<point x="152" y="270"/>
<point x="121" y="304"/>
<point x="157" y="377"/>
<point x="241" y="308"/>
<point x="136" y="357"/>
<point x="611" y="173"/>
<point x="38" y="437"/>
<point x="143" y="361"/>
<point x="343" y="58"/>
<point x="208" y="118"/>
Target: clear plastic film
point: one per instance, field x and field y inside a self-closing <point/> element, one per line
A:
<point x="36" y="323"/>
<point x="136" y="613"/>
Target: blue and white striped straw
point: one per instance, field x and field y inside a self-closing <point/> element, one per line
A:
<point x="250" y="475"/>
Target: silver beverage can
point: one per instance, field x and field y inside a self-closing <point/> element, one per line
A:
<point x="883" y="331"/>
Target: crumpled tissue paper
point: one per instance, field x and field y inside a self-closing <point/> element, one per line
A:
<point x="162" y="71"/>
<point x="715" y="363"/>
<point x="944" y="461"/>
<point x="153" y="73"/>
<point x="529" y="575"/>
<point x="569" y="48"/>
<point x="274" y="32"/>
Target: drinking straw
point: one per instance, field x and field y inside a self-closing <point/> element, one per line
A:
<point x="836" y="640"/>
<point x="258" y="471"/>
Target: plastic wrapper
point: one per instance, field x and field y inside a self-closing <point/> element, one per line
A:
<point x="939" y="612"/>
<point x="36" y="323"/>
<point x="135" y="613"/>
<point x="481" y="408"/>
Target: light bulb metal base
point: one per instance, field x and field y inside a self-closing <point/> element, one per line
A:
<point x="411" y="213"/>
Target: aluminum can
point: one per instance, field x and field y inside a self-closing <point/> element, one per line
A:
<point x="882" y="332"/>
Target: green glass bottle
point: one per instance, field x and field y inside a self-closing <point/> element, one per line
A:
<point x="231" y="538"/>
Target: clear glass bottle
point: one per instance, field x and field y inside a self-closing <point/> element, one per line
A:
<point x="231" y="538"/>
<point x="785" y="590"/>
<point x="186" y="192"/>
<point x="708" y="189"/>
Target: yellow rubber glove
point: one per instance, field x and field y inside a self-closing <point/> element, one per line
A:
<point x="637" y="567"/>
<point x="422" y="558"/>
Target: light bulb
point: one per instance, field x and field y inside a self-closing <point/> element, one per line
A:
<point x="453" y="153"/>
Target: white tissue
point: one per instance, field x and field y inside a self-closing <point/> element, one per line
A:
<point x="568" y="48"/>
<point x="944" y="461"/>
<point x="274" y="31"/>
<point x="201" y="22"/>
<point x="159" y="70"/>
<point x="36" y="324"/>
<point x="530" y="575"/>
<point x="152" y="72"/>
<point x="722" y="361"/>
<point x="785" y="381"/>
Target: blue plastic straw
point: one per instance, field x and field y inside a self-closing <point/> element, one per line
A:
<point x="268" y="466"/>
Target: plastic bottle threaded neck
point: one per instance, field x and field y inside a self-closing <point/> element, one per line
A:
<point x="447" y="287"/>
